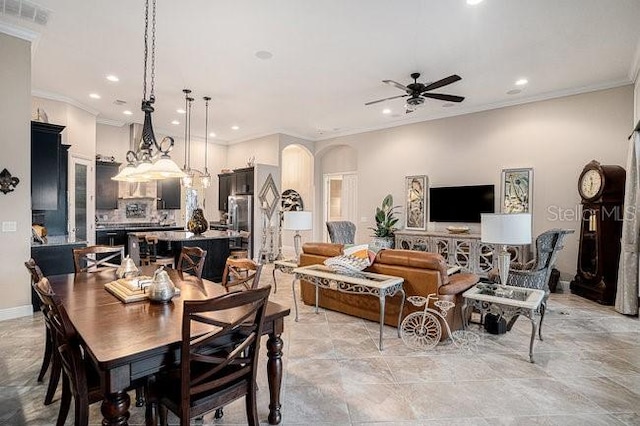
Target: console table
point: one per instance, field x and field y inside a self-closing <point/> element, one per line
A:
<point x="464" y="250"/>
<point x="360" y="283"/>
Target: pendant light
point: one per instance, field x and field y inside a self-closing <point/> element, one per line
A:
<point x="187" y="178"/>
<point x="206" y="177"/>
<point x="141" y="166"/>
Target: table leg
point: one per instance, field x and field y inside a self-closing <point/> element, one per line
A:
<point x="463" y="313"/>
<point x="381" y="318"/>
<point x="534" y="327"/>
<point x="317" y="291"/>
<point x="275" y="283"/>
<point x="543" y="309"/>
<point x="401" y="310"/>
<point x="115" y="409"/>
<point x="295" y="299"/>
<point x="274" y="376"/>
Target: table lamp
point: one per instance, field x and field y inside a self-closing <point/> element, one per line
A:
<point x="505" y="229"/>
<point x="297" y="221"/>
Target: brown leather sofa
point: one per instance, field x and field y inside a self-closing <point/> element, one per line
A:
<point x="424" y="273"/>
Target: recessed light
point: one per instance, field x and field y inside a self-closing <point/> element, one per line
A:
<point x="235" y="127"/>
<point x="514" y="91"/>
<point x="521" y="82"/>
<point x="386" y="111"/>
<point x="473" y="2"/>
<point x="112" y="77"/>
<point x="175" y="122"/>
<point x="213" y="135"/>
<point x="181" y="111"/>
<point x="127" y="112"/>
<point x="263" y="54"/>
<point x="94" y="96"/>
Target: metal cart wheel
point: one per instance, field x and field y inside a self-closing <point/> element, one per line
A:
<point x="421" y="330"/>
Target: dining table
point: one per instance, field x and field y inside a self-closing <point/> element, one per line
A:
<point x="128" y="342"/>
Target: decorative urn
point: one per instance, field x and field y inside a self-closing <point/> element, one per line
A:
<point x="161" y="289"/>
<point x="197" y="224"/>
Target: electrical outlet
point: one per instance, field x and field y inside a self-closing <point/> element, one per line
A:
<point x="9" y="226"/>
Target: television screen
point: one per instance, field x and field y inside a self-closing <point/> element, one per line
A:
<point x="460" y="203"/>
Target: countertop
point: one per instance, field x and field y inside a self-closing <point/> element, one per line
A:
<point x="57" y="240"/>
<point x="188" y="236"/>
<point x="133" y="226"/>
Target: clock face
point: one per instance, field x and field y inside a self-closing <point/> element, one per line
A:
<point x="590" y="184"/>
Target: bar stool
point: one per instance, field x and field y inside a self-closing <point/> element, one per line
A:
<point x="154" y="259"/>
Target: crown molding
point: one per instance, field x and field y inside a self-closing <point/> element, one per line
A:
<point x="61" y="98"/>
<point x="19" y="31"/>
<point x="480" y="108"/>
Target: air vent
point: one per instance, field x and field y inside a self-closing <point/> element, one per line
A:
<point x="119" y="102"/>
<point x="25" y="10"/>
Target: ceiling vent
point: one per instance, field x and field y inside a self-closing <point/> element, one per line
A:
<point x="25" y="10"/>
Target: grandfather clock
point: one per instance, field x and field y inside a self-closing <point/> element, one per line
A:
<point x="602" y="191"/>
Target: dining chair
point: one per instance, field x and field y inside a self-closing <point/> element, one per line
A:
<point x="80" y="380"/>
<point x="192" y="260"/>
<point x="50" y="357"/>
<point x="152" y="253"/>
<point x="97" y="258"/>
<point x="219" y="365"/>
<point x="243" y="272"/>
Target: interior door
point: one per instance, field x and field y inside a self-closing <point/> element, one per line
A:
<point x="81" y="199"/>
<point x="340" y="199"/>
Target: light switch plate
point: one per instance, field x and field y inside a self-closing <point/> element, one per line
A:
<point x="9" y="226"/>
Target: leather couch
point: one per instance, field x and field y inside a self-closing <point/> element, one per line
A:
<point x="424" y="273"/>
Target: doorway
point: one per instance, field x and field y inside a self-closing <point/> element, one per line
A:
<point x="81" y="200"/>
<point x="340" y="198"/>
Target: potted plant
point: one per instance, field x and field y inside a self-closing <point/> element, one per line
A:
<point x="383" y="233"/>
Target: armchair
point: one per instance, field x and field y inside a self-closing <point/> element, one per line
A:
<point x="341" y="232"/>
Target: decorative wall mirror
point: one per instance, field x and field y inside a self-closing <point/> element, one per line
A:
<point x="269" y="196"/>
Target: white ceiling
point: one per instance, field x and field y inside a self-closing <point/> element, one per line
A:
<point x="329" y="57"/>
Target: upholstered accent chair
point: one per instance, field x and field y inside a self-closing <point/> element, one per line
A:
<point x="341" y="232"/>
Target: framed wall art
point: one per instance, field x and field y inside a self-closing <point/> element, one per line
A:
<point x="416" y="189"/>
<point x="516" y="190"/>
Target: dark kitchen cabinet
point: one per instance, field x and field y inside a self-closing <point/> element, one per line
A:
<point x="243" y="181"/>
<point x="224" y="190"/>
<point x="106" y="188"/>
<point x="112" y="237"/>
<point x="169" y="192"/>
<point x="45" y="165"/>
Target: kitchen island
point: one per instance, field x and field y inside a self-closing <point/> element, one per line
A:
<point x="216" y="243"/>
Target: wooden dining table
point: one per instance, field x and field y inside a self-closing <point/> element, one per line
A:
<point x="131" y="341"/>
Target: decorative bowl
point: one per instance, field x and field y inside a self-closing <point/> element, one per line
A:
<point x="458" y="229"/>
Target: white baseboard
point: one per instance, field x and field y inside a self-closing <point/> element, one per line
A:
<point x="563" y="287"/>
<point x="17" y="312"/>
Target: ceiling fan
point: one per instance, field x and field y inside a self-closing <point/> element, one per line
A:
<point x="417" y="92"/>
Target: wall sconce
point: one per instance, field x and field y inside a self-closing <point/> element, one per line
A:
<point x="7" y="181"/>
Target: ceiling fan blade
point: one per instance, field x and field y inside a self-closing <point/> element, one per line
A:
<point x="443" y="97"/>
<point x="386" y="99"/>
<point x="445" y="81"/>
<point x="396" y="84"/>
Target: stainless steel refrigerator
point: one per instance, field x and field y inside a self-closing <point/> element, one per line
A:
<point x="241" y="219"/>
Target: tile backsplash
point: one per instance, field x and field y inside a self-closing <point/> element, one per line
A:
<point x="137" y="204"/>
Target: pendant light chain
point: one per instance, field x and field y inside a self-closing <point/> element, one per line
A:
<point x="152" y="95"/>
<point x="189" y="112"/>
<point x="146" y="50"/>
<point x="206" y="132"/>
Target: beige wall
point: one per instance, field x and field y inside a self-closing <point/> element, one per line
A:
<point x="637" y="100"/>
<point x="15" y="248"/>
<point x="266" y="150"/>
<point x="555" y="137"/>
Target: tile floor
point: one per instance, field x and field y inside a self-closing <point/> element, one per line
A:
<point x="587" y="372"/>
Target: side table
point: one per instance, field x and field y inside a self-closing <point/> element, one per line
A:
<point x="285" y="266"/>
<point x="508" y="302"/>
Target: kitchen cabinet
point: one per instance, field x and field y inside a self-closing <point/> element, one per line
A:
<point x="45" y="165"/>
<point x="111" y="237"/>
<point x="224" y="190"/>
<point x="169" y="192"/>
<point x="106" y="188"/>
<point x="243" y="181"/>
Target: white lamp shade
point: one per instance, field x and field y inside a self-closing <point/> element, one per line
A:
<point x="505" y="228"/>
<point x="298" y="221"/>
<point x="165" y="168"/>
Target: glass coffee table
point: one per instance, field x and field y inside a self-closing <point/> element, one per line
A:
<point x="507" y="302"/>
<point x="376" y="285"/>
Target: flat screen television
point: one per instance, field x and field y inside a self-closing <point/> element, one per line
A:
<point x="460" y="203"/>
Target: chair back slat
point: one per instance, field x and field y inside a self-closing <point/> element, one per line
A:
<point x="97" y="258"/>
<point x="224" y="349"/>
<point x="34" y="270"/>
<point x="192" y="260"/>
<point x="244" y="272"/>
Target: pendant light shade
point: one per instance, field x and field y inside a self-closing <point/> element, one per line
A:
<point x="165" y="168"/>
